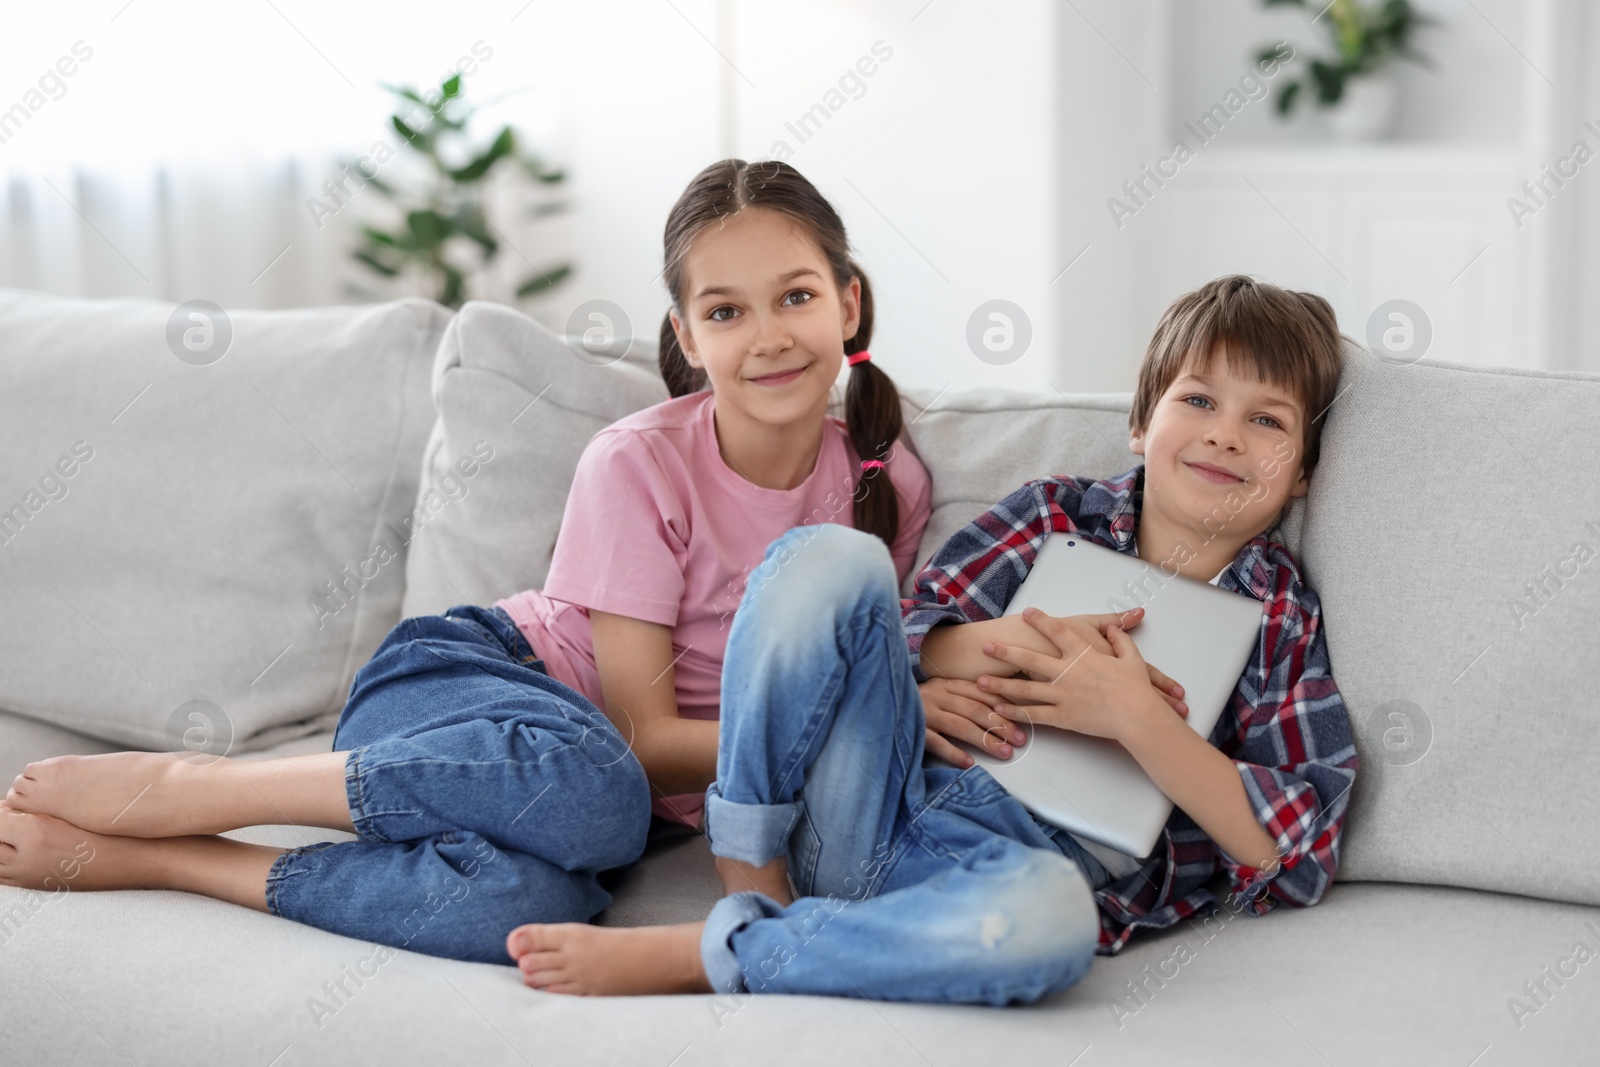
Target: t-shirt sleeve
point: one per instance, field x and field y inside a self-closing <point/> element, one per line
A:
<point x="914" y="487"/>
<point x="624" y="534"/>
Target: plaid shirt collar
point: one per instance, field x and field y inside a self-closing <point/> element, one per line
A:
<point x="1113" y="505"/>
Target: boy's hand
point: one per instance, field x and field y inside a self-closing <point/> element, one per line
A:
<point x="1091" y="628"/>
<point x="955" y="708"/>
<point x="1086" y="690"/>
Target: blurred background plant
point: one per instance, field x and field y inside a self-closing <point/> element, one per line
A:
<point x="1366" y="39"/>
<point x="446" y="237"/>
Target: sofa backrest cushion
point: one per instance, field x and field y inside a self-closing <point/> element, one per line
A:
<point x="190" y="550"/>
<point x="1453" y="534"/>
<point x="506" y="388"/>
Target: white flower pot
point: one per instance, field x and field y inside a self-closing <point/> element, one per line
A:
<point x="1368" y="110"/>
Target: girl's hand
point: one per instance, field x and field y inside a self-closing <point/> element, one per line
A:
<point x="1091" y="629"/>
<point x="957" y="708"/>
<point x="1087" y="691"/>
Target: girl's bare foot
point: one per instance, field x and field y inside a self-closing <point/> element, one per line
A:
<point x="162" y="794"/>
<point x="610" y="961"/>
<point x="132" y="794"/>
<point x="42" y="852"/>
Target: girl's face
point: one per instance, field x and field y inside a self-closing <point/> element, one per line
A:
<point x="763" y="317"/>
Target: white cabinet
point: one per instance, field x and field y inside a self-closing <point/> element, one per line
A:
<point x="1362" y="226"/>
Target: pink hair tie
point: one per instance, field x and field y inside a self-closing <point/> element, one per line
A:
<point x="860" y="357"/>
<point x="868" y="464"/>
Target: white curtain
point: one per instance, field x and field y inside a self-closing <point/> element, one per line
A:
<point x="239" y="234"/>
<point x="177" y="158"/>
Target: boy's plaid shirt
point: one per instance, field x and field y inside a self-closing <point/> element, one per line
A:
<point x="1285" y="728"/>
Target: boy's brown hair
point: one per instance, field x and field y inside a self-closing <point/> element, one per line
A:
<point x="1286" y="338"/>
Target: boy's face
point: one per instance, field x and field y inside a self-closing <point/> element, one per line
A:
<point x="1223" y="453"/>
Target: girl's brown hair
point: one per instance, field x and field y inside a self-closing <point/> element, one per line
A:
<point x="872" y="404"/>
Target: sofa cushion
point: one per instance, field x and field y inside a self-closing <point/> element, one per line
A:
<point x="1453" y="533"/>
<point x="176" y="529"/>
<point x="23" y="740"/>
<point x="506" y="388"/>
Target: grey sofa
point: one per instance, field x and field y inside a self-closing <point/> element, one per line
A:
<point x="247" y="515"/>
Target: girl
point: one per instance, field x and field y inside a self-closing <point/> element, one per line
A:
<point x="486" y="788"/>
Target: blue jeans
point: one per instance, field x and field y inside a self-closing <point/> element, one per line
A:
<point x="915" y="881"/>
<point x="485" y="793"/>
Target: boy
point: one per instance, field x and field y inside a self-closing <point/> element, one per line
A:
<point x="930" y="882"/>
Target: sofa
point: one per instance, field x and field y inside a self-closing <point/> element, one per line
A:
<point x="209" y="518"/>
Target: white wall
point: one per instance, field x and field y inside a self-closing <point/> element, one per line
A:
<point x="1110" y="69"/>
<point x="637" y="94"/>
<point x="942" y="169"/>
<point x="940" y="162"/>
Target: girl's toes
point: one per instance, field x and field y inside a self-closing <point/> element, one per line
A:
<point x="550" y="979"/>
<point x="533" y="937"/>
<point x="531" y="962"/>
<point x="11" y="824"/>
<point x="543" y="979"/>
<point x="517" y="942"/>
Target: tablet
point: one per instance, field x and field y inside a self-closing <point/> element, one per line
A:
<point x="1200" y="635"/>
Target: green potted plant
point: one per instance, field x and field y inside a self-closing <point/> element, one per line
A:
<point x="445" y="236"/>
<point x="1357" y="82"/>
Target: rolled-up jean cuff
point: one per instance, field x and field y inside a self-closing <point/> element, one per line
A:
<point x="355" y="792"/>
<point x="281" y="874"/>
<point x="728" y="916"/>
<point x="750" y="833"/>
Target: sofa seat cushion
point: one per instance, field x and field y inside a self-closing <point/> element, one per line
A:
<point x="1375" y="974"/>
<point x="1383" y="974"/>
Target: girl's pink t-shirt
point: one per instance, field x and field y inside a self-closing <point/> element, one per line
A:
<point x="658" y="527"/>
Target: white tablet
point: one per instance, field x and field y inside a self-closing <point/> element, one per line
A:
<point x="1197" y="633"/>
